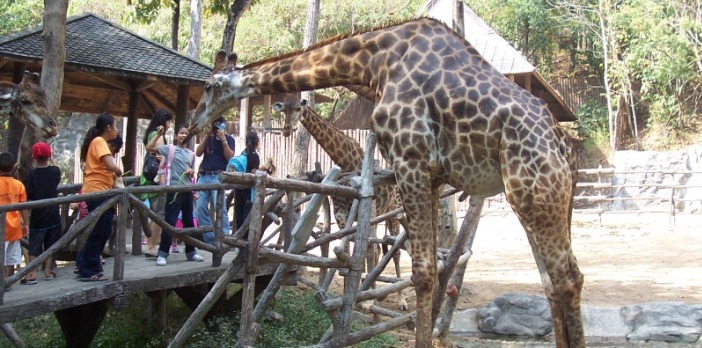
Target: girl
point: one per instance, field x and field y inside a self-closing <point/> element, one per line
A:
<point x="180" y="172"/>
<point x="242" y="197"/>
<point x="100" y="171"/>
<point x="157" y="201"/>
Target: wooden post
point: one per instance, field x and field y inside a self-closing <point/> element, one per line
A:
<point x="353" y="278"/>
<point x="181" y="112"/>
<point x="130" y="139"/>
<point x="248" y="329"/>
<point x="266" y="113"/>
<point x="80" y="324"/>
<point x="243" y="118"/>
<point x="301" y="234"/>
<point x="121" y="238"/>
<point x="458" y="258"/>
<point x="157" y="310"/>
<point x="206" y="304"/>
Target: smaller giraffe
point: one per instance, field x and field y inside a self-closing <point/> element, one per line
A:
<point x="347" y="153"/>
<point x="27" y="102"/>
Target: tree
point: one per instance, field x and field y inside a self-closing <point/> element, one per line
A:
<point x="234" y="14"/>
<point x="195" y="29"/>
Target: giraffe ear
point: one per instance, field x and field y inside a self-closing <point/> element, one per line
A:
<point x="231" y="59"/>
<point x="220" y="60"/>
<point x="36" y="78"/>
<point x="303" y="102"/>
<point x="277" y="106"/>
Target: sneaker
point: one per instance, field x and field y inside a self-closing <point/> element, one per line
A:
<point x="161" y="261"/>
<point x="196" y="258"/>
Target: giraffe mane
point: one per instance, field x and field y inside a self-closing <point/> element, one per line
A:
<point x="321" y="44"/>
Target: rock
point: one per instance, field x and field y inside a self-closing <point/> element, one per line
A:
<point x="516" y="314"/>
<point x="664" y="321"/>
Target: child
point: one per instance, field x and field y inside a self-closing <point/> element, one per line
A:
<point x="179" y="164"/>
<point x="12" y="191"/>
<point x="45" y="222"/>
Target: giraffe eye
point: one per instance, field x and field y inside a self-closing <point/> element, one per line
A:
<point x="25" y="101"/>
<point x="208" y="87"/>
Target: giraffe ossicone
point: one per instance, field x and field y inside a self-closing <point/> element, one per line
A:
<point x="443" y="115"/>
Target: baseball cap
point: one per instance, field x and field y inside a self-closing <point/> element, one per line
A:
<point x="41" y="150"/>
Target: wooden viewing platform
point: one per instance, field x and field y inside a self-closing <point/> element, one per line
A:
<point x="141" y="275"/>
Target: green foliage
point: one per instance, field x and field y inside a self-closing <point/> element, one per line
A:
<point x="592" y="118"/>
<point x="527" y="24"/>
<point x="16" y="15"/>
<point x="304" y="324"/>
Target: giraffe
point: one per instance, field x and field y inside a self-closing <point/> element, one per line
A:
<point x="443" y="115"/>
<point x="27" y="102"/>
<point x="346" y="152"/>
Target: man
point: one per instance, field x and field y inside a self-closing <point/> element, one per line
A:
<point x="216" y="148"/>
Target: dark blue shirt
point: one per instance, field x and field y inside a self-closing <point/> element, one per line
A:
<point x="213" y="157"/>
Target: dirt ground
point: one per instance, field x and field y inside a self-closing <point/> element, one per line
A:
<point x="626" y="259"/>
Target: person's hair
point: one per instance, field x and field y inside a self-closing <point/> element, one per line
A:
<point x="159" y="119"/>
<point x="7" y="162"/>
<point x="116" y="143"/>
<point x="251" y="145"/>
<point x="101" y="124"/>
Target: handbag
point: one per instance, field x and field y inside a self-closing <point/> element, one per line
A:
<point x="151" y="167"/>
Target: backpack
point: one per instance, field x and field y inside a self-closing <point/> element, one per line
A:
<point x="237" y="163"/>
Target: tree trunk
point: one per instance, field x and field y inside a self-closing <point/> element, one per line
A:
<point x="54" y="37"/>
<point x="175" y="24"/>
<point x="195" y="29"/>
<point x="235" y="12"/>
<point x="458" y="21"/>
<point x="302" y="139"/>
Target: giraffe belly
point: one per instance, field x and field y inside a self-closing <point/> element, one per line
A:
<point x="478" y="180"/>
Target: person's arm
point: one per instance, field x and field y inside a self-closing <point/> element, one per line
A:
<point x="200" y="149"/>
<point x="227" y="146"/>
<point x="152" y="146"/>
<point x="109" y="162"/>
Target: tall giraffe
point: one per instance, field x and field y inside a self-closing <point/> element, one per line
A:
<point x="27" y="102"/>
<point x="443" y="115"/>
<point x="346" y="152"/>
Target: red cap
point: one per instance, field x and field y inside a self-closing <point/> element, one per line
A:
<point x="41" y="150"/>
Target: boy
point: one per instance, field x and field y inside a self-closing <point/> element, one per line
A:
<point x="45" y="222"/>
<point x="12" y="191"/>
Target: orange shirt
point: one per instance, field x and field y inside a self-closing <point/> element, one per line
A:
<point x="12" y="191"/>
<point x="97" y="177"/>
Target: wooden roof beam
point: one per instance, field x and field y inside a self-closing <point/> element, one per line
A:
<point x="159" y="99"/>
<point x="125" y="86"/>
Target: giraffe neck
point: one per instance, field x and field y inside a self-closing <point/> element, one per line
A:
<point x="342" y="149"/>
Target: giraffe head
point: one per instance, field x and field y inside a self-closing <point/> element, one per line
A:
<point x="293" y="109"/>
<point x="223" y="89"/>
<point x="27" y="102"/>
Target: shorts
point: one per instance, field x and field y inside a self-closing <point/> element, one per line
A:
<point x="13" y="253"/>
<point x="158" y="204"/>
<point x="41" y="239"/>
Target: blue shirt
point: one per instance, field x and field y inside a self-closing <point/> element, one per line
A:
<point x="213" y="157"/>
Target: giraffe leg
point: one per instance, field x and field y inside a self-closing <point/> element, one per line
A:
<point x="394" y="227"/>
<point x="418" y="201"/>
<point x="546" y="222"/>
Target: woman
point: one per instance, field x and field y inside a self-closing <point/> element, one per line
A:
<point x="157" y="201"/>
<point x="243" y="200"/>
<point x="179" y="161"/>
<point x="100" y="171"/>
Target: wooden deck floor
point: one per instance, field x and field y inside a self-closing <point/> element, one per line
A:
<point x="140" y="275"/>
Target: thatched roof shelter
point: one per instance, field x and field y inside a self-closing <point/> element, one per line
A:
<point x="111" y="69"/>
